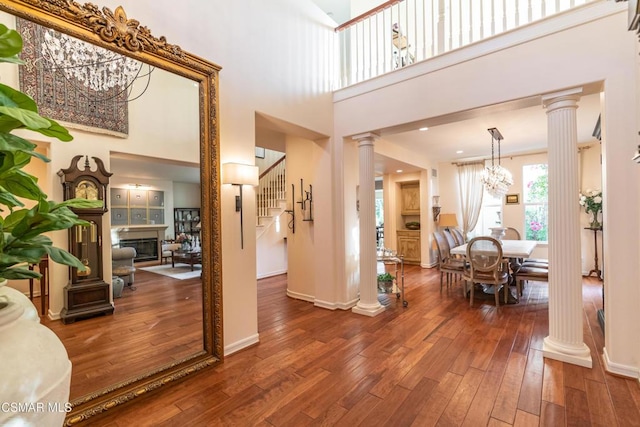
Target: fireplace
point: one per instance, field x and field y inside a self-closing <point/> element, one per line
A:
<point x="146" y="249"/>
<point x="146" y="240"/>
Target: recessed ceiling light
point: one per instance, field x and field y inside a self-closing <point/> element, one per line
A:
<point x="459" y="152"/>
<point x="424" y="128"/>
<point x="399" y="171"/>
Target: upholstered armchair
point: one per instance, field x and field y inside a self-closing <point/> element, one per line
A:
<point x="122" y="264"/>
<point x="167" y="249"/>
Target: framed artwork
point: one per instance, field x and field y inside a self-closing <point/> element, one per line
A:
<point x="512" y="199"/>
<point x="260" y="152"/>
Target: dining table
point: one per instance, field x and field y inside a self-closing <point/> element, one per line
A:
<point x="515" y="250"/>
<point x="510" y="248"/>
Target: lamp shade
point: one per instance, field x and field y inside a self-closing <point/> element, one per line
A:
<point x="448" y="220"/>
<point x="239" y="174"/>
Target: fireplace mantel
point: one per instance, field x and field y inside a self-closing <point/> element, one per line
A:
<point x="138" y="232"/>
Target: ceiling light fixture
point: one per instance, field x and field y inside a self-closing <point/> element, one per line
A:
<point x="495" y="178"/>
<point x="399" y="171"/>
<point x="108" y="74"/>
<point x="459" y="152"/>
<point x="424" y="128"/>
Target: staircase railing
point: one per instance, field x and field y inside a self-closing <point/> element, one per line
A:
<point x="400" y="32"/>
<point x="271" y="187"/>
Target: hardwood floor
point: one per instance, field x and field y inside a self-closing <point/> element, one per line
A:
<point x="156" y="324"/>
<point x="436" y="362"/>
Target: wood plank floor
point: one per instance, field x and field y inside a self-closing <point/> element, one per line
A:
<point x="437" y="362"/>
<point x="156" y="324"/>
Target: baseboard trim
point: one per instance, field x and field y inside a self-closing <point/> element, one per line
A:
<point x="619" y="369"/>
<point x="303" y="297"/>
<point x="271" y="274"/>
<point x="242" y="344"/>
<point x="432" y="265"/>
<point x="335" y="305"/>
<point x="53" y="316"/>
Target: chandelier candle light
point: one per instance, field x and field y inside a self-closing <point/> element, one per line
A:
<point x="94" y="67"/>
<point x="495" y="178"/>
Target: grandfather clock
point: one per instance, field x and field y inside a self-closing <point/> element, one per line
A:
<point x="86" y="294"/>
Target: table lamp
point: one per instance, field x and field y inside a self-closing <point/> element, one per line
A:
<point x="448" y="220"/>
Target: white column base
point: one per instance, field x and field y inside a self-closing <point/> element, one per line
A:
<point x="370" y="310"/>
<point x="579" y="355"/>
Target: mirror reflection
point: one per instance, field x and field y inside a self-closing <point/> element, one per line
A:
<point x="152" y="231"/>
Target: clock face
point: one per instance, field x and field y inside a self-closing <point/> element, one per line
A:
<point x="87" y="190"/>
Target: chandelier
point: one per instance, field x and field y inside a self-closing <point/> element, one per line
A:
<point x="92" y="66"/>
<point x="495" y="178"/>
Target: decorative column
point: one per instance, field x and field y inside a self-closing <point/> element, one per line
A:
<point x="368" y="303"/>
<point x="565" y="341"/>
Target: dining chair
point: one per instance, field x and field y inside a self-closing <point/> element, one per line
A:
<point x="537" y="274"/>
<point x="453" y="267"/>
<point x="511" y="233"/>
<point x="457" y="235"/>
<point x="486" y="265"/>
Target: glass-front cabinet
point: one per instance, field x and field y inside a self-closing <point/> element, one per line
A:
<point x="137" y="207"/>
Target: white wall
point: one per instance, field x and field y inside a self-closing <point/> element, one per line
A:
<point x="570" y="58"/>
<point x="287" y="77"/>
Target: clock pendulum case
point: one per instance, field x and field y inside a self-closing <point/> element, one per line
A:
<point x="87" y="294"/>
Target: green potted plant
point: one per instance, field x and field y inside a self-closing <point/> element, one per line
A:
<point x="22" y="241"/>
<point x="385" y="282"/>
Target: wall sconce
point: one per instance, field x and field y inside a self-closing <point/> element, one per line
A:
<point x="436" y="208"/>
<point x="239" y="174"/>
<point x="448" y="220"/>
<point x="306" y="202"/>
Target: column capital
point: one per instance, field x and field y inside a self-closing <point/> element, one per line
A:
<point x="562" y="99"/>
<point x="364" y="138"/>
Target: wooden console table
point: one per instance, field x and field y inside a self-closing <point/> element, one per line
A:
<point x="596" y="269"/>
<point x="43" y="268"/>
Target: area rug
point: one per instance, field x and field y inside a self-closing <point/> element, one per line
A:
<point x="180" y="272"/>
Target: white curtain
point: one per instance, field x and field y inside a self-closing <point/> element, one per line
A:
<point x="471" y="191"/>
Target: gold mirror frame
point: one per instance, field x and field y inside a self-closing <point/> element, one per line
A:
<point x="114" y="31"/>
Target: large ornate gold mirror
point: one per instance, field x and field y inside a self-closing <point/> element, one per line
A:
<point x="115" y="31"/>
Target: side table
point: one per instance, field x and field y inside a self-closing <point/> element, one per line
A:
<point x="596" y="269"/>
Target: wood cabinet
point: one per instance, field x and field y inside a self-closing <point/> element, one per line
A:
<point x="410" y="199"/>
<point x="409" y="245"/>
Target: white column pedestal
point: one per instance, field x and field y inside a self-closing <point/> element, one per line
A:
<point x="368" y="304"/>
<point x="565" y="341"/>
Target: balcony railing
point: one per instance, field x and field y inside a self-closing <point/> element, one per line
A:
<point x="399" y="33"/>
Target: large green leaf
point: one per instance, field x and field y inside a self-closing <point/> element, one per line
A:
<point x="56" y="130"/>
<point x="14" y="98"/>
<point x="10" y="44"/>
<point x="9" y="200"/>
<point x="17" y="273"/>
<point x="63" y="257"/>
<point x="23" y="185"/>
<point x="30" y="120"/>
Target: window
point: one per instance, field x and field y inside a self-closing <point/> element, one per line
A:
<point x="490" y="214"/>
<point x="535" y="179"/>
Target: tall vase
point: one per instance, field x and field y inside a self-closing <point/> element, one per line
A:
<point x="35" y="368"/>
<point x="594" y="221"/>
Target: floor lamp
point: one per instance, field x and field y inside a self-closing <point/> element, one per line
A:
<point x="240" y="175"/>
